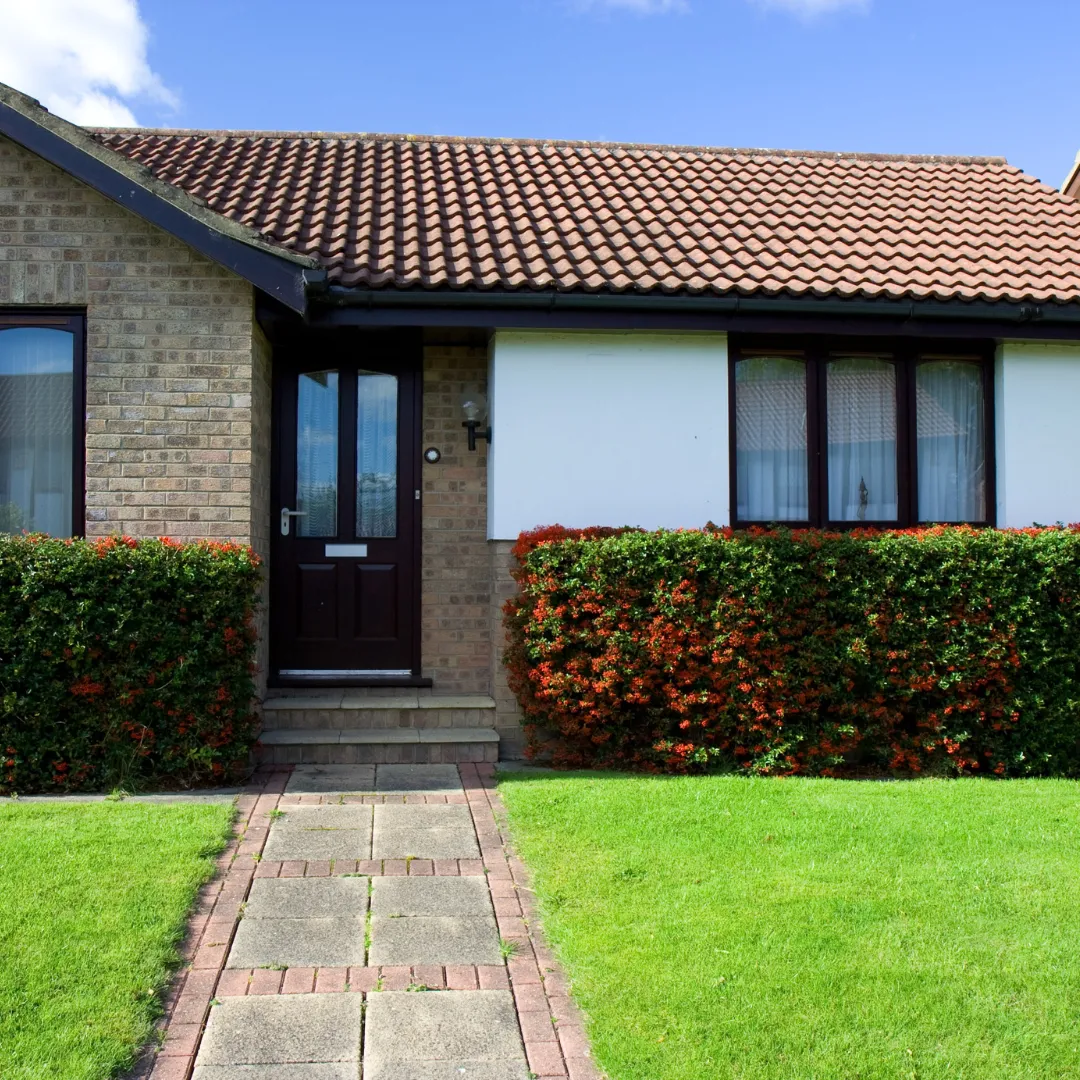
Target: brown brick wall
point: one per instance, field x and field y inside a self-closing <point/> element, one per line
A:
<point x="455" y="592"/>
<point x="169" y="355"/>
<point x="507" y="713"/>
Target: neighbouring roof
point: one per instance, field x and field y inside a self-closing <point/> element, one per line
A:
<point x="1071" y="184"/>
<point x="382" y="211"/>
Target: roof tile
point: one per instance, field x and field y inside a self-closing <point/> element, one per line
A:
<point x="402" y="211"/>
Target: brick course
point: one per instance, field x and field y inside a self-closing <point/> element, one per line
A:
<point x="455" y="592"/>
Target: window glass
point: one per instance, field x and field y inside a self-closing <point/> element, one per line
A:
<point x="37" y="407"/>
<point x="317" y="453"/>
<point x="770" y="439"/>
<point x="376" y="454"/>
<point x="950" y="419"/>
<point x="861" y="423"/>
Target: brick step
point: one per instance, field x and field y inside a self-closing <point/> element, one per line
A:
<point x="375" y="710"/>
<point x="378" y="746"/>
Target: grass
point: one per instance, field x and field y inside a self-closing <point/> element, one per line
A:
<point x="93" y="899"/>
<point x="721" y="927"/>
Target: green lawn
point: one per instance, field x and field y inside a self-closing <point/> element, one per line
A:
<point x="722" y="927"/>
<point x="93" y="899"/>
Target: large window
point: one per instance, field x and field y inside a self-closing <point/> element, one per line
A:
<point x="830" y="434"/>
<point x="41" y="427"/>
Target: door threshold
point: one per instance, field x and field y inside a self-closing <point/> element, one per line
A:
<point x="339" y="678"/>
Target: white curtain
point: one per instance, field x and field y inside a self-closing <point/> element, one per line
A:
<point x="317" y="453"/>
<point x="376" y="455"/>
<point x="770" y="439"/>
<point x="950" y="419"/>
<point x="36" y="414"/>
<point x="861" y="394"/>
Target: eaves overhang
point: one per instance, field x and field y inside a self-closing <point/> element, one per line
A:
<point x="567" y="310"/>
<point x="284" y="275"/>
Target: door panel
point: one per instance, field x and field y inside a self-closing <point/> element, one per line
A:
<point x="344" y="569"/>
<point x="376" y="613"/>
<point x="317" y="593"/>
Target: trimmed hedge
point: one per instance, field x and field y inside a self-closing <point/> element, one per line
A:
<point x="942" y="650"/>
<point x="124" y="662"/>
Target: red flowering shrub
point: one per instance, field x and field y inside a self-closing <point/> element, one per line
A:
<point x="948" y="649"/>
<point x="124" y="661"/>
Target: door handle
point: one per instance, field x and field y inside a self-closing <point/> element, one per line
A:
<point x="286" y="513"/>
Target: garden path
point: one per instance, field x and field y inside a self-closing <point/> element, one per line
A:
<point x="379" y="926"/>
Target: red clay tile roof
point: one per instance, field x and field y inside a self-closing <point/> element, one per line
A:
<point x="393" y="211"/>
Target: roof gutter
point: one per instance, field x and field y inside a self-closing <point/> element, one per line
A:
<point x="548" y="303"/>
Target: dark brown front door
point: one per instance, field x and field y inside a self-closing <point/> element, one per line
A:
<point x="345" y="514"/>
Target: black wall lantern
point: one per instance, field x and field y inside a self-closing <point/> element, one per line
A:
<point x="475" y="409"/>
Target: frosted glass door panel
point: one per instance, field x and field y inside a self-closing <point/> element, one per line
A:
<point x="950" y="415"/>
<point x="317" y="454"/>
<point x="376" y="454"/>
<point x="36" y="410"/>
<point x="770" y="439"/>
<point x="862" y="439"/>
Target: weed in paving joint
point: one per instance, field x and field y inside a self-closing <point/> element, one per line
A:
<point x="507" y="949"/>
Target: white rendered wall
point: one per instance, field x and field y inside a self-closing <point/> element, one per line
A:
<point x="607" y="429"/>
<point x="1037" y="431"/>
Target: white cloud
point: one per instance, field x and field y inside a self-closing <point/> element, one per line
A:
<point x="808" y="9"/>
<point x="83" y="59"/>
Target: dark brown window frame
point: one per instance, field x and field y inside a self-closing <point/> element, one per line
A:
<point x="75" y="323"/>
<point x="905" y="354"/>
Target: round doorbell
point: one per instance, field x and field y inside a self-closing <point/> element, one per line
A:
<point x="432" y="455"/>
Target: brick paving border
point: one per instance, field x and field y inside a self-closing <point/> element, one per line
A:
<point x="371" y="868"/>
<point x="210" y="932"/>
<point x="552" y="1027"/>
<point x="238" y="982"/>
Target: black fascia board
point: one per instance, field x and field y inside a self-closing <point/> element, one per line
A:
<point x="640" y="311"/>
<point x="280" y="278"/>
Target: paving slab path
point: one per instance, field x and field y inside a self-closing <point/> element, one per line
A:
<point x="371" y="921"/>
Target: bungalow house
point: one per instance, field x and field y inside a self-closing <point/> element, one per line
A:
<point x="377" y="359"/>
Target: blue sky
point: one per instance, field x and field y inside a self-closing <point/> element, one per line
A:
<point x="899" y="76"/>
